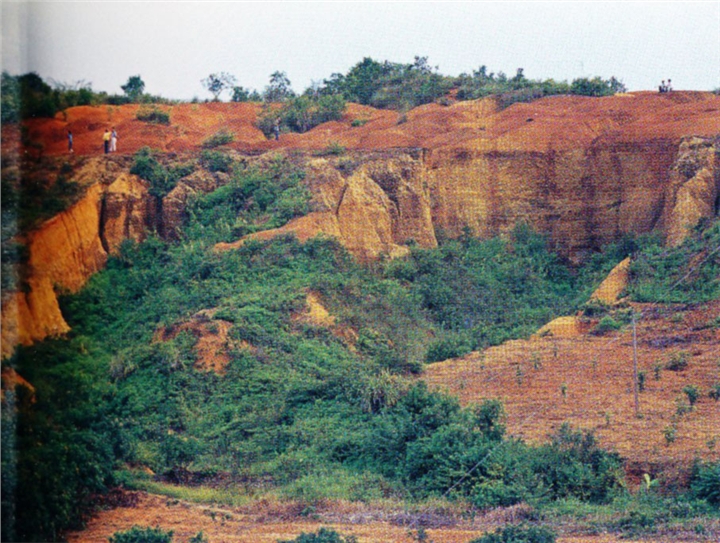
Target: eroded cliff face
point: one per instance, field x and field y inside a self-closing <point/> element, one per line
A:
<point x="66" y="250"/>
<point x="583" y="171"/>
<point x="582" y="198"/>
<point x="373" y="204"/>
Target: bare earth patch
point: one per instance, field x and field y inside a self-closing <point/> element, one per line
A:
<point x="587" y="381"/>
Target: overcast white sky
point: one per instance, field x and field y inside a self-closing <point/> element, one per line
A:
<point x="173" y="45"/>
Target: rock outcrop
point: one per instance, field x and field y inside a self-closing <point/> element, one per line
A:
<point x="128" y="212"/>
<point x="694" y="187"/>
<point x="66" y="250"/>
<point x="609" y="291"/>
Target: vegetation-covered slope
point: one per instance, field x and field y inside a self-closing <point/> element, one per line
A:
<point x="207" y="366"/>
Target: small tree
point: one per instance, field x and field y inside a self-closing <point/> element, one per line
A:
<point x="218" y="83"/>
<point x="240" y="94"/>
<point x="134" y="88"/>
<point x="279" y="88"/>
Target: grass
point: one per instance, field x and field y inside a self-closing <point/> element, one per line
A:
<point x="206" y="495"/>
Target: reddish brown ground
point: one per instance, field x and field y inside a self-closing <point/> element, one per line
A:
<point x="596" y="372"/>
<point x="556" y="122"/>
<point x="268" y="524"/>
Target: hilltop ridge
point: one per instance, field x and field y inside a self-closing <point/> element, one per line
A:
<point x="550" y="123"/>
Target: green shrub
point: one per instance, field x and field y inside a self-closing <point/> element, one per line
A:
<point x="257" y="198"/>
<point x="216" y="161"/>
<point x="692" y="392"/>
<point x="592" y="87"/>
<point x="642" y="378"/>
<point x="674" y="275"/>
<point x="323" y="535"/>
<point x="637" y="522"/>
<point x="301" y="113"/>
<point x="153" y="115"/>
<point x="606" y="324"/>
<point x="518" y="533"/>
<point x="137" y="534"/>
<point x="574" y="465"/>
<point x="451" y="346"/>
<point x="678" y="361"/>
<point x="198" y="538"/>
<point x="221" y="137"/>
<point x="334" y="149"/>
<point x="714" y="393"/>
<point x="162" y="179"/>
<point x="705" y="483"/>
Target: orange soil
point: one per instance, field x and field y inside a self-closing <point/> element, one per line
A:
<point x="557" y="122"/>
<point x="242" y="526"/>
<point x="596" y="373"/>
<point x="213" y="341"/>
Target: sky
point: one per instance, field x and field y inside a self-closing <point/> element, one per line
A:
<point x="174" y="45"/>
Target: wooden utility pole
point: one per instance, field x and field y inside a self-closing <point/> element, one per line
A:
<point x="635" y="365"/>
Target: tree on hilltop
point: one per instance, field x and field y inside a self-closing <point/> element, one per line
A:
<point x="218" y="83"/>
<point x="241" y="94"/>
<point x="134" y="88"/>
<point x="279" y="89"/>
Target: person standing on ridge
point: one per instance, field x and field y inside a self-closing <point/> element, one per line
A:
<point x="106" y="141"/>
<point x="669" y="86"/>
<point x="276" y="129"/>
<point x="113" y="140"/>
<point x="70" y="142"/>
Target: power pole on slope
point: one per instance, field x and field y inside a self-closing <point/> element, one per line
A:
<point x="635" y="365"/>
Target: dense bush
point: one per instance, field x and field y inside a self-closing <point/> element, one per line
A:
<point x="705" y="483"/>
<point x="389" y="85"/>
<point x="162" y="178"/>
<point x="137" y="534"/>
<point x="301" y="113"/>
<point x="257" y="198"/>
<point x="518" y="533"/>
<point x="486" y="292"/>
<point x="688" y="273"/>
<point x="216" y="161"/>
<point x="323" y="535"/>
<point x="596" y="87"/>
<point x="221" y="137"/>
<point x="66" y="444"/>
<point x="153" y="115"/>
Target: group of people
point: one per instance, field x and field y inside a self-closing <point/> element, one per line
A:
<point x="666" y="87"/>
<point x="109" y="141"/>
